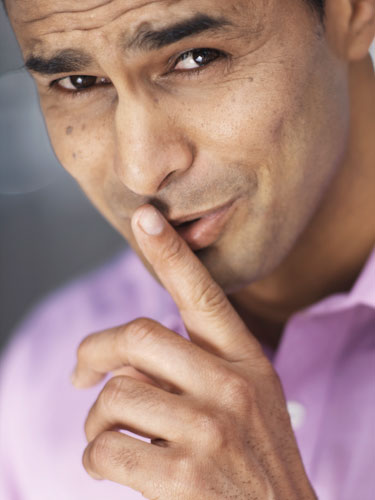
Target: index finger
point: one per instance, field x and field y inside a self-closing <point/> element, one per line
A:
<point x="207" y="313"/>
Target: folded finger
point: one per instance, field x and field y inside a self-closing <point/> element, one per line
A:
<point x="153" y="350"/>
<point x="135" y="406"/>
<point x="131" y="462"/>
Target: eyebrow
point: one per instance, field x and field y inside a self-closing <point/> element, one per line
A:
<point x="69" y="60"/>
<point x="147" y="39"/>
<point x="64" y="61"/>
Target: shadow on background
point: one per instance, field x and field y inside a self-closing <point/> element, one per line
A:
<point x="49" y="232"/>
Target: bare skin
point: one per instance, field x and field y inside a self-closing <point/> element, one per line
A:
<point x="279" y="118"/>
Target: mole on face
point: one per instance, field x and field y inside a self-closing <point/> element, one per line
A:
<point x="74" y="155"/>
<point x="83" y="127"/>
<point x="69" y="130"/>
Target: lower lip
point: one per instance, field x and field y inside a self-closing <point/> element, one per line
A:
<point x="206" y="230"/>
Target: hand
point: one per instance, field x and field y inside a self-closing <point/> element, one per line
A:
<point x="213" y="408"/>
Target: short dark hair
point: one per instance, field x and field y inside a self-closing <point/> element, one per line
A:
<point x="317" y="5"/>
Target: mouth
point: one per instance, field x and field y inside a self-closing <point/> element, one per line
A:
<point x="202" y="229"/>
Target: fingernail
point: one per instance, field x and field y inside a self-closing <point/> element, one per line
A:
<point x="151" y="221"/>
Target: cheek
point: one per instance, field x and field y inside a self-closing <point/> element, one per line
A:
<point x="83" y="146"/>
<point x="86" y="149"/>
<point x="283" y="124"/>
<point x="248" y="124"/>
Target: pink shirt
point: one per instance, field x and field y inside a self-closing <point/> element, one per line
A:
<point x="326" y="362"/>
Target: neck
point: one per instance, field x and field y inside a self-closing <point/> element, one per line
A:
<point x="333" y="249"/>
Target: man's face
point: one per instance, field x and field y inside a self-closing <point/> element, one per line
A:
<point x="245" y="102"/>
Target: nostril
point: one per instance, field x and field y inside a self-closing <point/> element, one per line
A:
<point x="165" y="181"/>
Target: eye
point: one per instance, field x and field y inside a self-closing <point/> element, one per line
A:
<point x="80" y="82"/>
<point x="197" y="58"/>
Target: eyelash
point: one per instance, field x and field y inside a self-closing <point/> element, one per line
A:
<point x="54" y="85"/>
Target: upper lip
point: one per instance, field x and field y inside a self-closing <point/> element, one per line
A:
<point x="198" y="215"/>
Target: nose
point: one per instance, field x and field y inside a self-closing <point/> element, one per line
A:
<point x="151" y="150"/>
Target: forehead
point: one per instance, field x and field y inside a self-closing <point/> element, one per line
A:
<point x="39" y="18"/>
<point x="92" y="12"/>
<point x="44" y="25"/>
<point x="39" y="10"/>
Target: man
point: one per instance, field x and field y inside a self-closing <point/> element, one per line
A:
<point x="232" y="144"/>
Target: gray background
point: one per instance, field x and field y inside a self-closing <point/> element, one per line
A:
<point x="49" y="232"/>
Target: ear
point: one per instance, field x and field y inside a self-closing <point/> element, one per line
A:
<point x="351" y="26"/>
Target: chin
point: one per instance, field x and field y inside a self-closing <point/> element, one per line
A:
<point x="232" y="275"/>
<point x="237" y="266"/>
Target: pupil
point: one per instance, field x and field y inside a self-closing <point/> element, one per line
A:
<point x="83" y="82"/>
<point x="205" y="56"/>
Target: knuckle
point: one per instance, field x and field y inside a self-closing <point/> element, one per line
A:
<point x="212" y="431"/>
<point x="112" y="392"/>
<point x="143" y="329"/>
<point x="208" y="296"/>
<point x="172" y="252"/>
<point x="238" y="391"/>
<point x="99" y="452"/>
<point x="106" y="453"/>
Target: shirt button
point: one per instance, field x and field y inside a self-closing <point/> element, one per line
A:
<point x="297" y="413"/>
